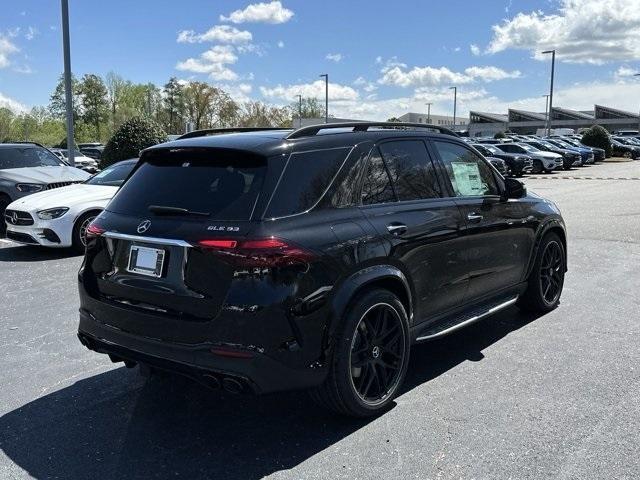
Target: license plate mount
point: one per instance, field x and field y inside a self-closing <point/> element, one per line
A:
<point x="146" y="261"/>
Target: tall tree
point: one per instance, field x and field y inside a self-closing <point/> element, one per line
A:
<point x="57" y="101"/>
<point x="115" y="86"/>
<point x="311" y="108"/>
<point x="173" y="105"/>
<point x="198" y="98"/>
<point x="95" y="106"/>
<point x="6" y="120"/>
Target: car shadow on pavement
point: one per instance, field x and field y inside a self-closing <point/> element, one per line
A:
<point x="28" y="253"/>
<point x="117" y="425"/>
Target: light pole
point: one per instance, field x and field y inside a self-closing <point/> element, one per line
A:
<point x="638" y="75"/>
<point x="546" y="107"/>
<point x="67" y="83"/>
<point x="553" y="65"/>
<point x="455" y="101"/>
<point x="300" y="109"/>
<point x="326" y="97"/>
<point x="428" y="104"/>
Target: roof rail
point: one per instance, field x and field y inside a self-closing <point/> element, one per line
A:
<point x="364" y="126"/>
<point x="27" y="143"/>
<point x="220" y="131"/>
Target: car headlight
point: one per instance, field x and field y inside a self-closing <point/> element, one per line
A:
<point x="29" y="187"/>
<point x="52" y="213"/>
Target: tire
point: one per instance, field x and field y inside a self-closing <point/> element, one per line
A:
<point x="366" y="373"/>
<point x="4" y="203"/>
<point x="537" y="167"/>
<point x="77" y="236"/>
<point x="547" y="277"/>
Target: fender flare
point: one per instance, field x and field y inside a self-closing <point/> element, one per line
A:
<point x="369" y="276"/>
<point x="551" y="224"/>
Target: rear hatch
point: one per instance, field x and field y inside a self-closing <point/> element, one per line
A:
<point x="165" y="245"/>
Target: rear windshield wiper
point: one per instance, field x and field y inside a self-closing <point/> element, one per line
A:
<point x="164" y="210"/>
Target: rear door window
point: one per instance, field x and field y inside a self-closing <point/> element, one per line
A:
<point x="222" y="184"/>
<point x="306" y="177"/>
<point x="376" y="187"/>
<point x="412" y="172"/>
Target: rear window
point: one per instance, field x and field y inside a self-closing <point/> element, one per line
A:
<point x="306" y="177"/>
<point x="25" y="157"/>
<point x="225" y="185"/>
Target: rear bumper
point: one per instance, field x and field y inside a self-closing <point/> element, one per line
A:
<point x="254" y="371"/>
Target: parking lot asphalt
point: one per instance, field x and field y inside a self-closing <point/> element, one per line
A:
<point x="513" y="396"/>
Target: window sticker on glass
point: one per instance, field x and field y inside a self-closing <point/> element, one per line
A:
<point x="467" y="179"/>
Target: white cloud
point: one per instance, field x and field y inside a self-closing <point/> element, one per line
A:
<point x="213" y="62"/>
<point x="582" y="31"/>
<point x="26" y="69"/>
<point x="490" y="74"/>
<point x="475" y="50"/>
<point x="457" y="49"/>
<point x="396" y="74"/>
<point x="11" y="104"/>
<point x="239" y="92"/>
<point x="366" y="85"/>
<point x="310" y="90"/>
<point x="280" y="44"/>
<point x="7" y="48"/>
<point x="625" y="71"/>
<point x="272" y="12"/>
<point x="217" y="33"/>
<point x="31" y="33"/>
<point x="334" y="57"/>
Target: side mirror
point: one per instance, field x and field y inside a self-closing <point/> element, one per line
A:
<point x="514" y="188"/>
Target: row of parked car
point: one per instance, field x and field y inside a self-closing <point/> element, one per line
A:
<point x="517" y="155"/>
<point x="86" y="157"/>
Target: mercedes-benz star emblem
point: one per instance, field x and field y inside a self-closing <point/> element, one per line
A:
<point x="144" y="226"/>
<point x="14" y="218"/>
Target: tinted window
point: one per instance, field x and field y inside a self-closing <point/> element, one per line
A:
<point x="305" y="178"/>
<point x="112" y="176"/>
<point x="376" y="187"/>
<point x="468" y="173"/>
<point x="28" y="156"/>
<point x="412" y="172"/>
<point x="224" y="185"/>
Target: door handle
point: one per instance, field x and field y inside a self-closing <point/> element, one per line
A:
<point x="473" y="217"/>
<point x="397" y="228"/>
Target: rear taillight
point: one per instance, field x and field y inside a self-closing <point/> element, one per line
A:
<point x="94" y="230"/>
<point x="261" y="252"/>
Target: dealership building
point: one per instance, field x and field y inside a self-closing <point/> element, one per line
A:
<point x="526" y="122"/>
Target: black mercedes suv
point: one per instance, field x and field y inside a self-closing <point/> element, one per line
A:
<point x="267" y="260"/>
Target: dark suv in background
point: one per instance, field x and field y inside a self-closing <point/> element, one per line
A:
<point x="269" y="260"/>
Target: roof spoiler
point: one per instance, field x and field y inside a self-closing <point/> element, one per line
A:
<point x="312" y="130"/>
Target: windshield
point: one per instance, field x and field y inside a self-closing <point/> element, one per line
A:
<point x="27" y="156"/>
<point x="491" y="148"/>
<point x="529" y="148"/>
<point x="112" y="176"/>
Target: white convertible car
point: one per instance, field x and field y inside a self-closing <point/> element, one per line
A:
<point x="59" y="218"/>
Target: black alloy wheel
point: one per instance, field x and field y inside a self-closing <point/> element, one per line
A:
<point x="546" y="278"/>
<point x="377" y="352"/>
<point x="370" y="357"/>
<point x="551" y="272"/>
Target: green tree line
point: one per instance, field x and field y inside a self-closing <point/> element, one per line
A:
<point x="102" y="105"/>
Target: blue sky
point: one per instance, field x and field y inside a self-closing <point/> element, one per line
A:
<point x="383" y="58"/>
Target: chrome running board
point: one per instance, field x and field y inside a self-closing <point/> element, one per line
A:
<point x="464" y="321"/>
